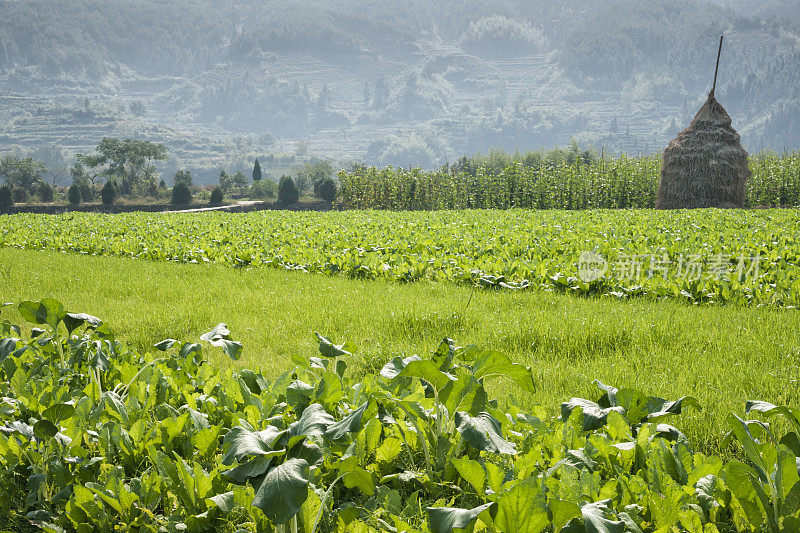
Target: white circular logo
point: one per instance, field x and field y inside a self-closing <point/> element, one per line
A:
<point x="591" y="266"/>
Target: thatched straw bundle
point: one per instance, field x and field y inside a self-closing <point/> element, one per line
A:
<point x="705" y="165"/>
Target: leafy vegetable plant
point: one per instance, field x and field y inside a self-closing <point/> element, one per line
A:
<point x="95" y="436"/>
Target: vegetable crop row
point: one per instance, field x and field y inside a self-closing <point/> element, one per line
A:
<point x="97" y="437"/>
<point x="736" y="257"/>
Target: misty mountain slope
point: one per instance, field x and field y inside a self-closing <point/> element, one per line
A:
<point x="383" y="80"/>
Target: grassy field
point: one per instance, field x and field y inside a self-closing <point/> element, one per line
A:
<point x="721" y="355"/>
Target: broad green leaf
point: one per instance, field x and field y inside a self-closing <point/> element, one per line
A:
<point x="75" y="320"/>
<point x="47" y="311"/>
<point x="742" y="434"/>
<point x="283" y="490"/>
<point x="445" y="519"/>
<point x="472" y="472"/>
<point x="465" y="394"/>
<point x="768" y="409"/>
<point x="429" y="371"/>
<point x="58" y="412"/>
<point x="44" y="429"/>
<point x="744" y="483"/>
<point x="490" y="363"/>
<point x="484" y="433"/>
<point x="221" y="336"/>
<point x="349" y="424"/>
<point x="595" y="518"/>
<point x="255" y="467"/>
<point x="563" y="512"/>
<point x="241" y="442"/>
<point x="393" y="368"/>
<point x="165" y="345"/>
<point x="357" y="477"/>
<point x="225" y="502"/>
<point x="328" y="349"/>
<point x="7" y="347"/>
<point x="113" y="402"/>
<point x="593" y="416"/>
<point x="522" y="509"/>
<point x="313" y="422"/>
<point x="388" y="450"/>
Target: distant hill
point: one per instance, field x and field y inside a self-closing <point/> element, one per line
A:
<point x="381" y="81"/>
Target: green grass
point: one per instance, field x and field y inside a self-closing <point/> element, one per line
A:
<point x="721" y="355"/>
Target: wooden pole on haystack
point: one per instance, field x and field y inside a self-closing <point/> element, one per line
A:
<point x="716" y="70"/>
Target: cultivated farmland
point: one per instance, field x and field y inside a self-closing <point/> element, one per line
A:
<point x="711" y="256"/>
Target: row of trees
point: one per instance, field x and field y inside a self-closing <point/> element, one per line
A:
<point x="127" y="168"/>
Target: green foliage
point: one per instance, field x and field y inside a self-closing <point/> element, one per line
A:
<point x="326" y="190"/>
<point x="127" y="160"/>
<point x="568" y="179"/>
<point x="24" y="174"/>
<point x="263" y="189"/>
<point x="74" y="194"/>
<point x="216" y="196"/>
<point x="20" y="195"/>
<point x="6" y="199"/>
<point x="94" y="434"/>
<point x="45" y="192"/>
<point x="181" y="194"/>
<point x="288" y="193"/>
<point x="312" y="174"/>
<point x="184" y="176"/>
<point x="257" y="171"/>
<point x="109" y="193"/>
<point x="751" y="262"/>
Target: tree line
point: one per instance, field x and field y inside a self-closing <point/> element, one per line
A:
<point x="126" y="168"/>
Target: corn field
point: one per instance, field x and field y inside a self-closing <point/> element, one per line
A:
<point x="605" y="183"/>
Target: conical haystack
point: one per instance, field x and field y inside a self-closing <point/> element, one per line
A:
<point x="705" y="165"/>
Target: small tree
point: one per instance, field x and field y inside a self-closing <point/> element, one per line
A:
<point x="109" y="193"/>
<point x="181" y="194"/>
<point x="287" y="191"/>
<point x="87" y="192"/>
<point x="240" y="180"/>
<point x="216" y="196"/>
<point x="20" y="195"/>
<point x="327" y="190"/>
<point x="257" y="171"/>
<point x="6" y="199"/>
<point x="74" y="194"/>
<point x="45" y="192"/>
<point x="184" y="176"/>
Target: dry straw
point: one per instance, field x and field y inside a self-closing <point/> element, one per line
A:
<point x="705" y="165"/>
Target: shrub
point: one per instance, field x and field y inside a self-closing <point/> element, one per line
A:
<point x="327" y="190"/>
<point x="262" y="189"/>
<point x="74" y="194"/>
<point x="46" y="192"/>
<point x="287" y="191"/>
<point x="6" y="199"/>
<point x="109" y="193"/>
<point x="87" y="192"/>
<point x="181" y="194"/>
<point x="20" y="195"/>
<point x="216" y="196"/>
<point x="184" y="176"/>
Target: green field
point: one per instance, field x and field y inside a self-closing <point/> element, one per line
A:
<point x="154" y="277"/>
<point x="710" y="256"/>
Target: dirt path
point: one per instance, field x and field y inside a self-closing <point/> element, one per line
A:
<point x="241" y="204"/>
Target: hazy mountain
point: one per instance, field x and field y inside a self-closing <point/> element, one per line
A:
<point x="356" y="79"/>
